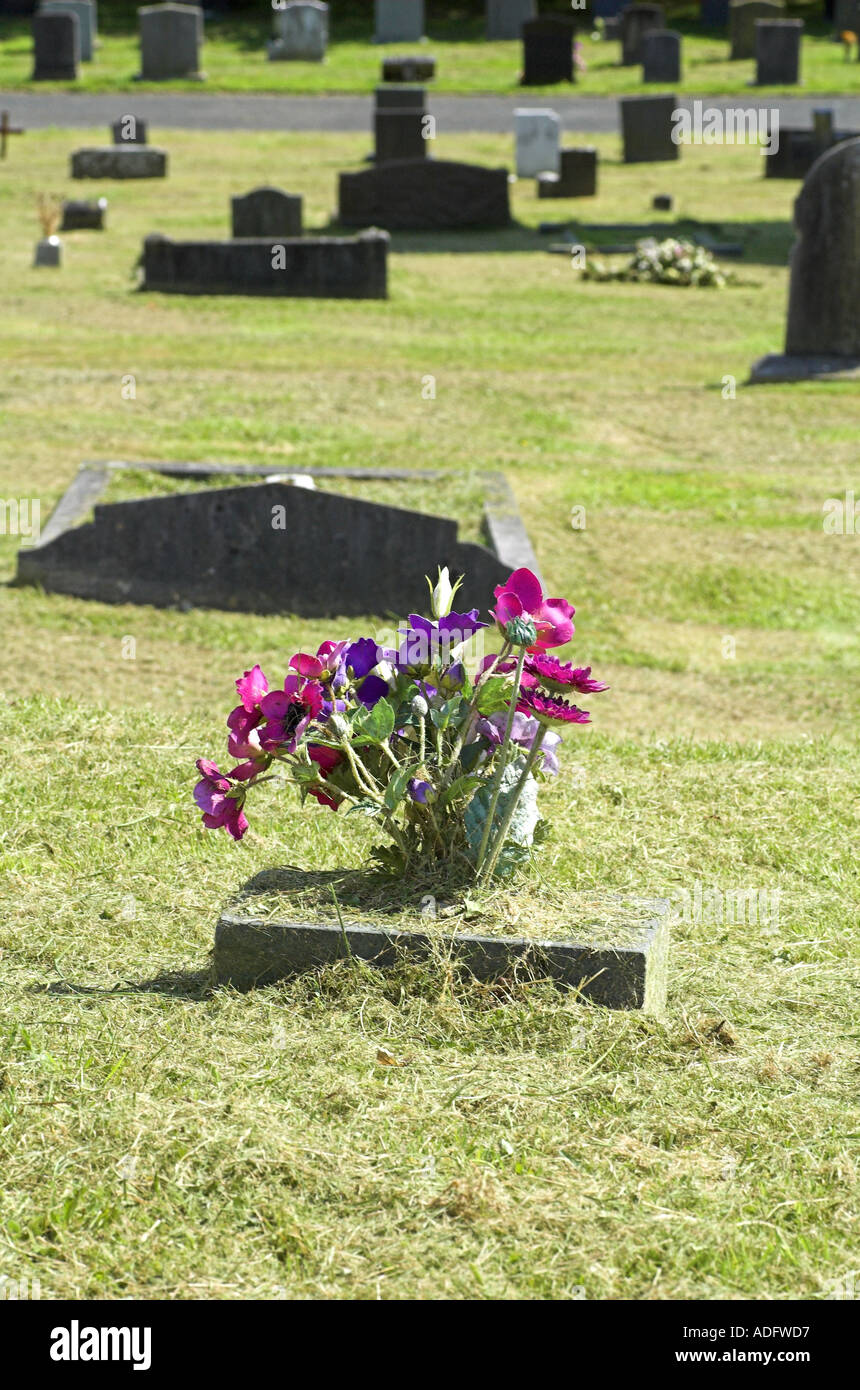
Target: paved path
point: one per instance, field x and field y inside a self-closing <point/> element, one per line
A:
<point x="36" y="110"/>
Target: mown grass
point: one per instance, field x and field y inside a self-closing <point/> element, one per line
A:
<point x="160" y="1140"/>
<point x="234" y="58"/>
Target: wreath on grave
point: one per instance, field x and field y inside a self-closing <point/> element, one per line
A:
<point x="440" y="745"/>
<point x="668" y="262"/>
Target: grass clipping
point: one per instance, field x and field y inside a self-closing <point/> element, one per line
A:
<point x="441" y="907"/>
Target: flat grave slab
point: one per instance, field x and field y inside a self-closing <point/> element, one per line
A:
<point x="292" y="267"/>
<point x="119" y="162"/>
<point x="615" y="955"/>
<point x="267" y="546"/>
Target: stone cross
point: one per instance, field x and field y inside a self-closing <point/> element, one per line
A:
<point x="5" y="130"/>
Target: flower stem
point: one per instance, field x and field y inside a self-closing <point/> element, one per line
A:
<point x="469" y="718"/>
<point x="502" y="756"/>
<point x="534" y="753"/>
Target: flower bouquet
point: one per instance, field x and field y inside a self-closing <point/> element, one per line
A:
<point x="668" y="262"/>
<point x="441" y="745"/>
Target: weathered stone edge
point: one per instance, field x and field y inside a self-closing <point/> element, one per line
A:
<point x="249" y="953"/>
<point x="778" y="366"/>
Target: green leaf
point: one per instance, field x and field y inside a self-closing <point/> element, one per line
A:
<point x="458" y="787"/>
<point x="366" y="808"/>
<point x="374" y="725"/>
<point x="396" y="789"/>
<point x="493" y="695"/>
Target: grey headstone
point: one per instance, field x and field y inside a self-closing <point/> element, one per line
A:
<point x="399" y="134"/>
<point x="171" y="40"/>
<point x="646" y="129"/>
<point x="301" y="32"/>
<point x="398" y="21"/>
<point x="777" y="51"/>
<point x="714" y="13"/>
<point x="56" y="47"/>
<point x="49" y="252"/>
<point x="577" y="176"/>
<point x="296" y="268"/>
<point x="400" y="98"/>
<point x="537" y="138"/>
<point x="84" y="217"/>
<point x="266" y="212"/>
<point x="636" y="22"/>
<point x="548" y="51"/>
<point x="425" y="195"/>
<point x="824" y="294"/>
<point x="86" y="12"/>
<point x="632" y="974"/>
<point x="119" y="162"/>
<point x="661" y="56"/>
<point x="742" y="20"/>
<point x="409" y="68"/>
<point x="129" y="130"/>
<point x="505" y="18"/>
<point x="222" y="548"/>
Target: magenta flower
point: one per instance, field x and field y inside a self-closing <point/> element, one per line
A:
<point x="560" y="675"/>
<point x="521" y="596"/>
<point x="549" y="709"/>
<point x="221" y="802"/>
<point x="252" y="687"/>
<point x="326" y="759"/>
<point x="288" y="713"/>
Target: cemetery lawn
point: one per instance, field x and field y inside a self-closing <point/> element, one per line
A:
<point x="158" y="1140"/>
<point x="234" y="59"/>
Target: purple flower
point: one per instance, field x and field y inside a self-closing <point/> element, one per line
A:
<point x="424" y="642"/>
<point x="419" y="790"/>
<point x="524" y="732"/>
<point x="221" y="802"/>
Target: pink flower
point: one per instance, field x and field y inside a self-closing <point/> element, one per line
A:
<point x="559" y="675"/>
<point x="252" y="687"/>
<point x="550" y="710"/>
<point x="221" y="802"/>
<point x="327" y="759"/>
<point x="288" y="713"/>
<point x="522" y="596"/>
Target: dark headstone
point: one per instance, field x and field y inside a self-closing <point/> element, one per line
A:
<point x="824" y="298"/>
<point x="129" y="130"/>
<point x="171" y="39"/>
<point x="742" y="21"/>
<point x="56" y="47"/>
<point x="299" y="268"/>
<point x="548" y="51"/>
<point x="505" y="18"/>
<point x="714" y="13"/>
<point x="577" y="177"/>
<point x="661" y="56"/>
<point x="119" y="162"/>
<point x="425" y="195"/>
<point x="251" y="952"/>
<point x="777" y="51"/>
<point x="663" y="202"/>
<point x="636" y="22"/>
<point x="409" y="69"/>
<point x="84" y="217"/>
<point x="234" y="548"/>
<point x="87" y="20"/>
<point x="612" y="26"/>
<point x="797" y="150"/>
<point x="399" y="135"/>
<point x="266" y="212"/>
<point x="400" y="99"/>
<point x="646" y="129"/>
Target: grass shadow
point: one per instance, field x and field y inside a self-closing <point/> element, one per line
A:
<point x="177" y="984"/>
